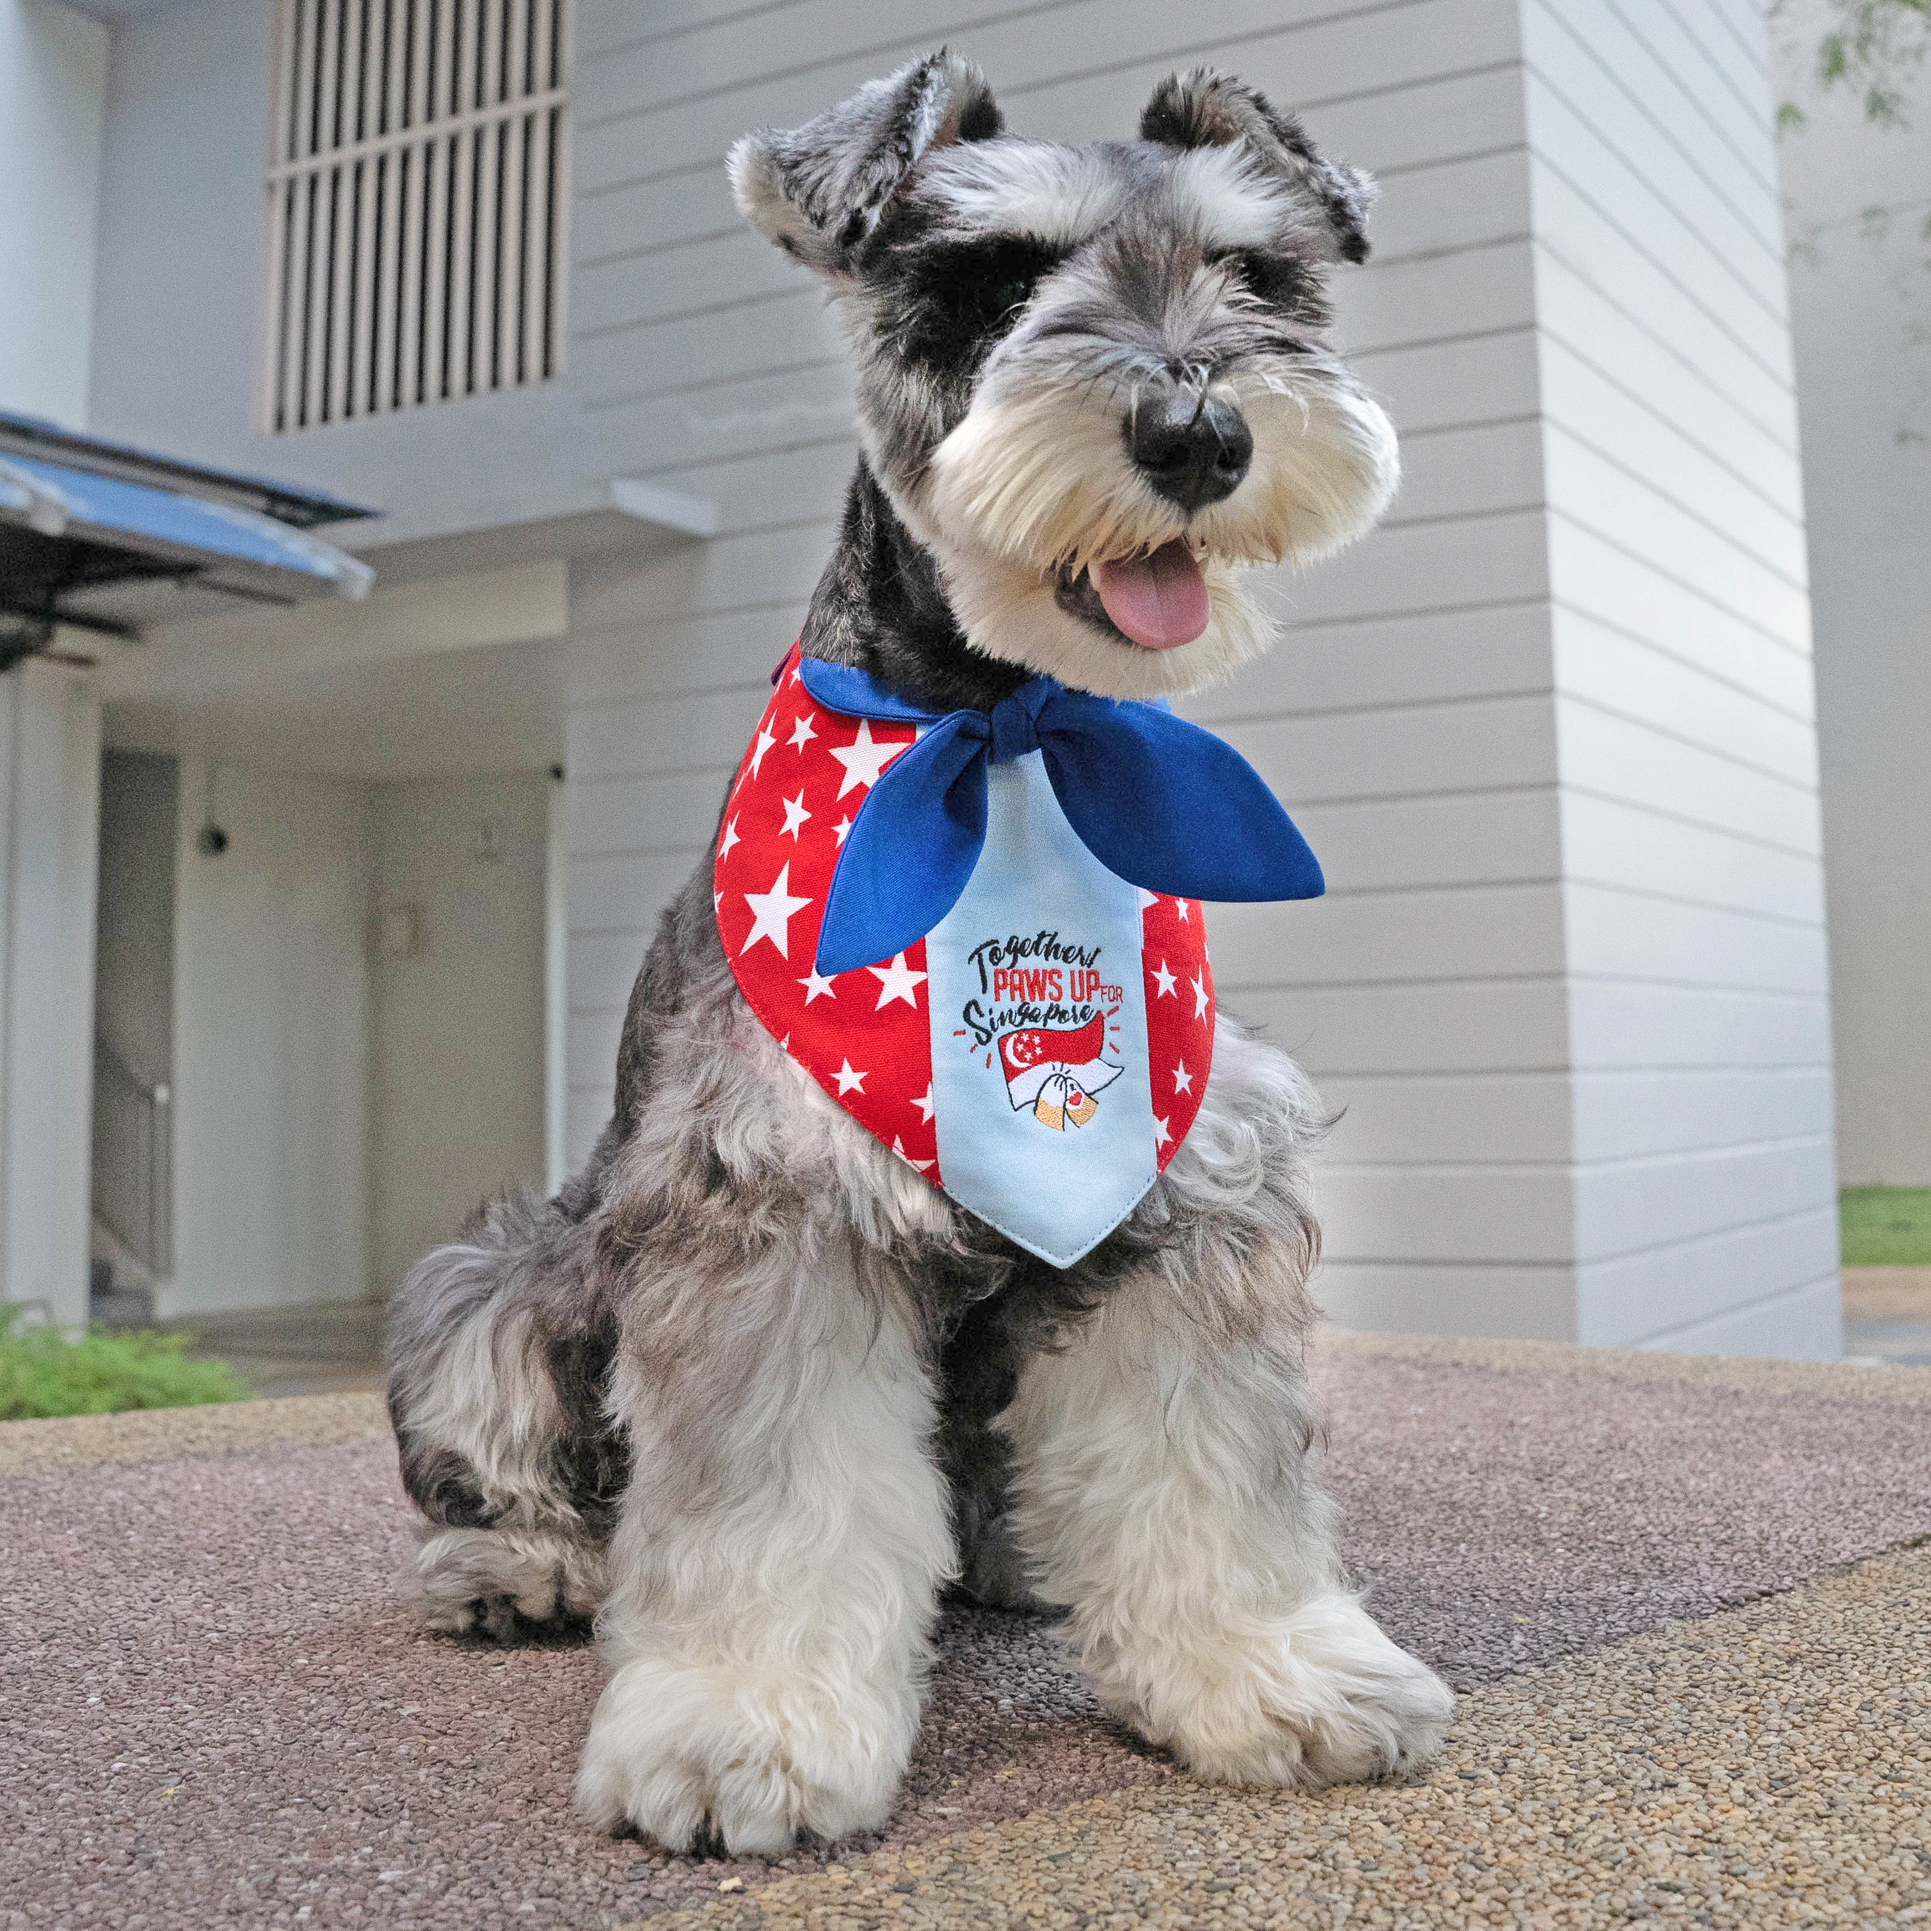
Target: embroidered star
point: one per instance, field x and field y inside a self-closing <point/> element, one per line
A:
<point x="841" y="828"/>
<point x="1164" y="981"/>
<point x="924" y="1104"/>
<point x="1147" y="899"/>
<point x="1182" y="1079"/>
<point x="897" y="981"/>
<point x="863" y="760"/>
<point x="795" y="815"/>
<point x="771" y="913"/>
<point x="899" y="1149"/>
<point x="1161" y="1133"/>
<point x="764" y="743"/>
<point x="816" y="987"/>
<point x="1180" y="910"/>
<point x="848" y="1081"/>
<point x="1200" y="995"/>
<point x="801" y="733"/>
<point x="729" y="839"/>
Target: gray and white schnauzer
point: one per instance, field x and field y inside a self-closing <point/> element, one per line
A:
<point x="750" y="1390"/>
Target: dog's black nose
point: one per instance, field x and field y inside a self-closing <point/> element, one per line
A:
<point x="1192" y="449"/>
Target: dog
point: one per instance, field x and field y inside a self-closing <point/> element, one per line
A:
<point x="751" y="1390"/>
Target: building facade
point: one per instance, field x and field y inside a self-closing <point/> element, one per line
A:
<point x="1551" y="728"/>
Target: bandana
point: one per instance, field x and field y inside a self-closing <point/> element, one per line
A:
<point x="953" y="963"/>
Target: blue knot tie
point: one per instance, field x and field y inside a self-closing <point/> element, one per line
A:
<point x="1158" y="801"/>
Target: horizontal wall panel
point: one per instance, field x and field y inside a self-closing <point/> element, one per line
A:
<point x="637" y="290"/>
<point x="1625" y="1302"/>
<point x="1608" y="842"/>
<point x="1600" y="414"/>
<point x="1517" y="1303"/>
<point x="1471" y="291"/>
<point x="1424" y="566"/>
<point x="1475" y="932"/>
<point x="1654" y="380"/>
<point x="1613" y="1023"/>
<point x="1631" y="1206"/>
<point x="1382" y="661"/>
<point x="1616" y="933"/>
<point x="666" y="811"/>
<point x="1040" y="62"/>
<point x="605" y="894"/>
<point x="1626" y="1115"/>
<point x="1619" y="757"/>
<point x="1601" y="581"/>
<point x="1626" y="676"/>
<point x="602" y="967"/>
<point x="1494" y="742"/>
<point x="770" y="489"/>
<point x="727" y="573"/>
<point x="1510" y="1025"/>
<point x="1670" y="121"/>
<point x="1502" y="1119"/>
<point x="733" y="416"/>
<point x="1574" y="231"/>
<point x="1617" y="104"/>
<point x="703" y="732"/>
<point x="712" y="343"/>
<point x="1468" y="1214"/>
<point x="1804" y="1325"/>
<point x="1469" y="472"/>
<point x="1442" y="385"/>
<point x="1470" y="838"/>
<point x="1638" y="518"/>
<point x="680" y="656"/>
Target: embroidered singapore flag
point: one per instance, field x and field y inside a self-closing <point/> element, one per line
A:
<point x="1039" y="1054"/>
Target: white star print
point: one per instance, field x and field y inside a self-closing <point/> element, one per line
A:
<point x="848" y="1081"/>
<point x="841" y="828"/>
<point x="1164" y="981"/>
<point x="924" y="1105"/>
<point x="815" y="987"/>
<point x="801" y="733"/>
<point x="1147" y="899"/>
<point x="863" y="760"/>
<point x="764" y="743"/>
<point x="1180" y="910"/>
<point x="899" y="1149"/>
<point x="897" y="981"/>
<point x="1182" y="1079"/>
<point x="771" y="913"/>
<point x="729" y="839"/>
<point x="1162" y="1133"/>
<point x="1200" y="995"/>
<point x="795" y="815"/>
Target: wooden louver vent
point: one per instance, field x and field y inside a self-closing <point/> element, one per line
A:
<point x="417" y="185"/>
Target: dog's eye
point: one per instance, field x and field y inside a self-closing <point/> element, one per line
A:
<point x="958" y="299"/>
<point x="1277" y="280"/>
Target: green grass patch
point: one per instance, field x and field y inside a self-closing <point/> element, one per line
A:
<point x="1886" y="1226"/>
<point x="107" y="1370"/>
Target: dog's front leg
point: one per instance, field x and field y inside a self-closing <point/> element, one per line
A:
<point x="774" y="1576"/>
<point x="1164" y="1497"/>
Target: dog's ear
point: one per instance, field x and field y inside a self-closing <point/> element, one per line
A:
<point x="1205" y="108"/>
<point x="820" y="190"/>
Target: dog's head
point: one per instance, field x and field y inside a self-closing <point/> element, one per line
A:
<point x="1092" y="379"/>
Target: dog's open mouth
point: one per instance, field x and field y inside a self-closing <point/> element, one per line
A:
<point x="1158" y="602"/>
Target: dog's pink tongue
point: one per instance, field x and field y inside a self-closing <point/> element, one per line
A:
<point x="1160" y="601"/>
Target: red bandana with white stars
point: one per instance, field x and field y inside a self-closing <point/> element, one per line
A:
<point x="867" y="1037"/>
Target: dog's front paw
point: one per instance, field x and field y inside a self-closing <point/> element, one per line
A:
<point x="1317" y="1697"/>
<point x="683" y="1750"/>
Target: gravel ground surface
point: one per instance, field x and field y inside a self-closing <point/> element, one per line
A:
<point x="215" y="1714"/>
<point x="1770" y="1766"/>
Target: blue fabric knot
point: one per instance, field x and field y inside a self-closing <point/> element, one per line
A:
<point x="1158" y="801"/>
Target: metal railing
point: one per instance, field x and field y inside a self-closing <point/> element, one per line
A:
<point x="134" y="1160"/>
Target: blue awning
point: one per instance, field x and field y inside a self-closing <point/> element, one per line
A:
<point x="220" y="545"/>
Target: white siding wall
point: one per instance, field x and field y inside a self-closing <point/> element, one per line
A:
<point x="1693" y="886"/>
<point x="1549" y="733"/>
